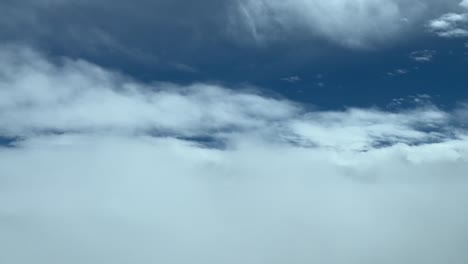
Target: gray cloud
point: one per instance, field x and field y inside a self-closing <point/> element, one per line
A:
<point x="464" y="3"/>
<point x="162" y="33"/>
<point x="451" y="25"/>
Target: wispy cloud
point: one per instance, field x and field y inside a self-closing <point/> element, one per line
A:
<point x="451" y="25"/>
<point x="422" y="55"/>
<point x="292" y="79"/>
<point x="397" y="72"/>
<point x="355" y="24"/>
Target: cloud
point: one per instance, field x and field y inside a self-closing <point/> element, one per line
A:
<point x="362" y="23"/>
<point x="464" y="3"/>
<point x="398" y="72"/>
<point x="167" y="32"/>
<point x="144" y="200"/>
<point x="73" y="96"/>
<point x="105" y="169"/>
<point x="451" y="25"/>
<point x="38" y="96"/>
<point x="292" y="79"/>
<point x="422" y="55"/>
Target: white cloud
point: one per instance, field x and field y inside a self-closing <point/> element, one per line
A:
<point x="351" y="23"/>
<point x="36" y="95"/>
<point x="291" y="185"/>
<point x="141" y="200"/>
<point x="356" y="23"/>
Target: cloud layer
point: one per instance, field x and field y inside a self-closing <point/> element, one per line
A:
<point x="38" y="96"/>
<point x="104" y="169"/>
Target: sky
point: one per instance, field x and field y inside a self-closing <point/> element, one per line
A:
<point x="233" y="131"/>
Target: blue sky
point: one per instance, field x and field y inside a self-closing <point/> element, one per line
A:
<point x="233" y="131"/>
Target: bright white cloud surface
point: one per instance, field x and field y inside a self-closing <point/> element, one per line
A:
<point x="108" y="170"/>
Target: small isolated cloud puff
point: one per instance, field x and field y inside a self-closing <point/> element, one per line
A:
<point x="292" y="79"/>
<point x="398" y="72"/>
<point x="422" y="55"/>
<point x="106" y="170"/>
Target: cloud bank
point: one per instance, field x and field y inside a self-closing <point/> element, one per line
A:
<point x="103" y="168"/>
<point x="451" y="25"/>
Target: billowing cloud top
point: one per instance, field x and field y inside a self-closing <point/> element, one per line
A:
<point x="40" y="97"/>
<point x="102" y="168"/>
<point x="132" y="132"/>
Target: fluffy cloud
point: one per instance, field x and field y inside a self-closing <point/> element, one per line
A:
<point x="37" y="96"/>
<point x="103" y="169"/>
<point x="40" y="97"/>
<point x="451" y="25"/>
